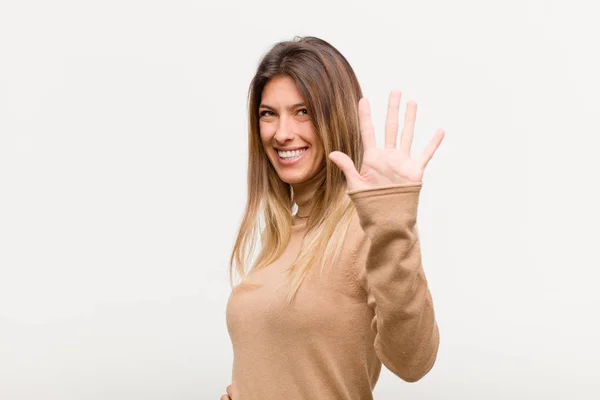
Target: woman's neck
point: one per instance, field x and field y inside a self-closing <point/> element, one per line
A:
<point x="304" y="193"/>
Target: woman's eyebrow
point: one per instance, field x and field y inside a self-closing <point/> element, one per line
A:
<point x="262" y="105"/>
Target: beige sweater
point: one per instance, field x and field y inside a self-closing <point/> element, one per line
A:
<point x="373" y="306"/>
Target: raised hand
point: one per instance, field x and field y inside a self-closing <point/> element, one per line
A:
<point x="387" y="165"/>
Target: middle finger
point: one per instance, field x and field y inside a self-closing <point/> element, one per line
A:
<point x="391" y="120"/>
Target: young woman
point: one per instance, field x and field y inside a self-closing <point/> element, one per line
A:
<point x="337" y="287"/>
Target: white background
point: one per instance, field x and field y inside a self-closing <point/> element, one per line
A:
<point x="123" y="153"/>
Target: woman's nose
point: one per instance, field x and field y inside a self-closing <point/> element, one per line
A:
<point x="285" y="130"/>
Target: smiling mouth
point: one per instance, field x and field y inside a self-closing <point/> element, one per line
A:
<point x="303" y="150"/>
<point x="289" y="161"/>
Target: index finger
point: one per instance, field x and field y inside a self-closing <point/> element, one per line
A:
<point x="367" y="131"/>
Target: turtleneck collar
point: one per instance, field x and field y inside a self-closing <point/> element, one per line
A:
<point x="304" y="192"/>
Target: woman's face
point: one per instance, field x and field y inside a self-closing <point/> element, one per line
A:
<point x="285" y="125"/>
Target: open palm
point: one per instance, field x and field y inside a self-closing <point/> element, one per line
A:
<point x="387" y="165"/>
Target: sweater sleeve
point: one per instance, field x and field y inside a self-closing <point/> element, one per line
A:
<point x="406" y="333"/>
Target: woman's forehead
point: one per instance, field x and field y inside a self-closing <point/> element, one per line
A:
<point x="281" y="92"/>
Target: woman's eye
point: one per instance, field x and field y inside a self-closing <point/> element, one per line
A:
<point x="265" y="113"/>
<point x="303" y="110"/>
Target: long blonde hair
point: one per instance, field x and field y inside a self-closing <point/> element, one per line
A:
<point x="331" y="92"/>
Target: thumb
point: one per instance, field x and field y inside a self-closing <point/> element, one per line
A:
<point x="346" y="164"/>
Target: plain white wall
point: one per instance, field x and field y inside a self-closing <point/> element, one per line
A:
<point x="122" y="183"/>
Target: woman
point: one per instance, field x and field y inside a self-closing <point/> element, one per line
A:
<point x="296" y="333"/>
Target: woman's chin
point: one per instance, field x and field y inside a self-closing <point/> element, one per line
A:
<point x="294" y="177"/>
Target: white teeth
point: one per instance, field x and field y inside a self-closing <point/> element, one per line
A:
<point x="290" y="154"/>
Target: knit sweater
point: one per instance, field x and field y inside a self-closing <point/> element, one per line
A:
<point x="372" y="307"/>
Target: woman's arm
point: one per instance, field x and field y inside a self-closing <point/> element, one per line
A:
<point x="407" y="335"/>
